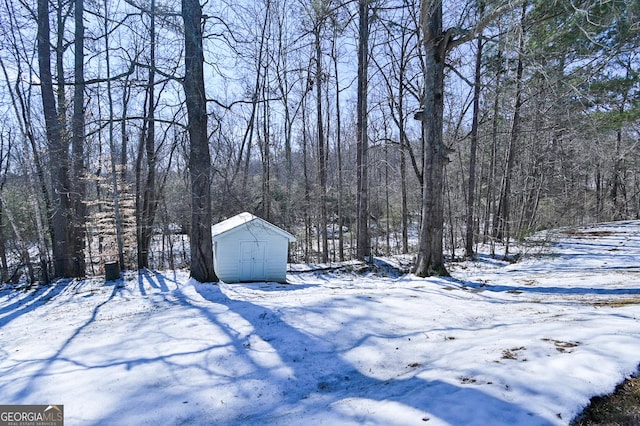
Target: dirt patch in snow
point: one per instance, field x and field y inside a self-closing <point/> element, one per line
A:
<point x="622" y="407"/>
<point x="581" y="233"/>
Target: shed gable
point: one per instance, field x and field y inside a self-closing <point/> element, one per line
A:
<point x="248" y="222"/>
<point x="247" y="248"/>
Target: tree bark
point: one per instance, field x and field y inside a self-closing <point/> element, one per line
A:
<point x="322" y="159"/>
<point x="404" y="146"/>
<point x="63" y="250"/>
<point x="112" y="146"/>
<point x="284" y="87"/>
<point x="77" y="145"/>
<point x="491" y="211"/>
<point x="362" y="152"/>
<point x="504" y="208"/>
<point x="430" y="259"/>
<point x="308" y="234"/>
<point x="4" y="266"/>
<point x="470" y="226"/>
<point x="265" y="146"/>
<point x="199" y="156"/>
<point x="148" y="206"/>
<point x="334" y="55"/>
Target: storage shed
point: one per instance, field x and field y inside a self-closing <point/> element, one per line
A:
<point x="247" y="248"/>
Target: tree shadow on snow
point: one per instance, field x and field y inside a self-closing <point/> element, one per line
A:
<point x="308" y="375"/>
<point x="46" y="363"/>
<point x="24" y="302"/>
<point x="271" y="286"/>
<point x="322" y="381"/>
<point x="152" y="279"/>
<point x="573" y="291"/>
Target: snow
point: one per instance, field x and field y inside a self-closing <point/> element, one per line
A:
<point x="527" y="343"/>
<point x="232" y="223"/>
<point x="244" y="219"/>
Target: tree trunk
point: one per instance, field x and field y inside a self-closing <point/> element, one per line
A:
<point x="491" y="211"/>
<point x="147" y="208"/>
<point x="199" y="157"/>
<point x="618" y="195"/>
<point x="4" y="266"/>
<point x="430" y="260"/>
<point x="599" y="191"/>
<point x="284" y="87"/>
<point x="334" y="54"/>
<point x="469" y="252"/>
<point x="60" y="47"/>
<point x="362" y="152"/>
<point x="504" y="208"/>
<point x="124" y="136"/>
<point x="404" y="143"/>
<point x="308" y="234"/>
<point x="322" y="159"/>
<point x="112" y="146"/>
<point x="77" y="143"/>
<point x="63" y="253"/>
<point x="266" y="153"/>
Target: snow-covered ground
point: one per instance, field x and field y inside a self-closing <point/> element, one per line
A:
<point x="499" y="344"/>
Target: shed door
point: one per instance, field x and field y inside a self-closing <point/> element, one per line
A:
<point x="252" y="260"/>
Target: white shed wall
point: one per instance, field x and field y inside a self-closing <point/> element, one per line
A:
<point x="250" y="253"/>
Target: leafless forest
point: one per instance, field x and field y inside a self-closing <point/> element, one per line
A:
<point x="364" y="127"/>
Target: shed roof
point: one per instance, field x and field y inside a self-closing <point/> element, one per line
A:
<point x="243" y="219"/>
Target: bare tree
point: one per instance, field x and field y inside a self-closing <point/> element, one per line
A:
<point x="112" y="147"/>
<point x="430" y="260"/>
<point x="5" y="150"/>
<point x="338" y="138"/>
<point x="199" y="157"/>
<point x="471" y="186"/>
<point x="437" y="42"/>
<point x="64" y="255"/>
<point x="146" y="188"/>
<point x="285" y="86"/>
<point x="78" y="192"/>
<point x="362" y="137"/>
<point x="321" y="11"/>
<point x="504" y="208"/>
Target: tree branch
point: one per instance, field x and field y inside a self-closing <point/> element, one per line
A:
<point x="458" y="36"/>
